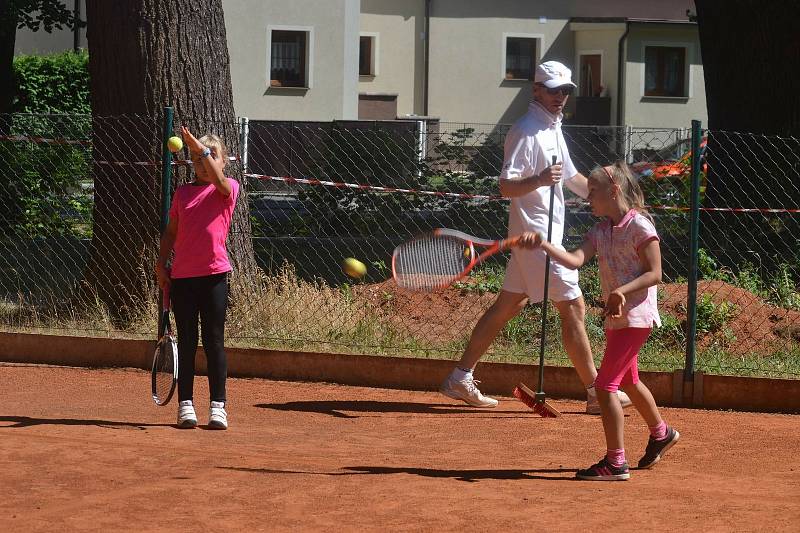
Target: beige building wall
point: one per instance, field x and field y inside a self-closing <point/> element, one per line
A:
<point x="398" y="28"/>
<point x="466" y="42"/>
<point x="650" y="111"/>
<point x="333" y="59"/>
<point x="467" y="63"/>
<point x="603" y="39"/>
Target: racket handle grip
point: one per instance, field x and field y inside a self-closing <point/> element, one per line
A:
<point x="511" y="242"/>
<point x="165" y="298"/>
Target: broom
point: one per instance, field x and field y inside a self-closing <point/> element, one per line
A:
<point x="537" y="401"/>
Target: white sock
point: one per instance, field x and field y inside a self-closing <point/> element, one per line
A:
<point x="460" y="375"/>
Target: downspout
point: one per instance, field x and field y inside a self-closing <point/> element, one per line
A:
<point x="621" y="71"/>
<point x="426" y="59"/>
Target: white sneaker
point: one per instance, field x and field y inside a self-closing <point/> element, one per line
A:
<point x="217" y="417"/>
<point x="466" y="391"/>
<point x="593" y="405"/>
<point x="187" y="419"/>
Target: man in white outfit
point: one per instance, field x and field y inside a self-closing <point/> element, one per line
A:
<point x="526" y="178"/>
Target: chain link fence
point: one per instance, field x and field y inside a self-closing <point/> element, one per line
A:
<point x="80" y="228"/>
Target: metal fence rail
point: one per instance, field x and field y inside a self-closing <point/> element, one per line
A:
<point x="319" y="192"/>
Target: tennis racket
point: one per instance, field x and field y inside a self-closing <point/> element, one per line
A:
<point x="436" y="259"/>
<point x="164" y="375"/>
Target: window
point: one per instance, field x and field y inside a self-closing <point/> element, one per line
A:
<point x="665" y="71"/>
<point x="368" y="55"/>
<point x="520" y="58"/>
<point x="289" y="58"/>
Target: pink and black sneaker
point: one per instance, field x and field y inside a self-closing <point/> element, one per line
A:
<point x="604" y="471"/>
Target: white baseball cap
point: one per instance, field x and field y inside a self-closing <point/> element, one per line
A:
<point x="553" y="74"/>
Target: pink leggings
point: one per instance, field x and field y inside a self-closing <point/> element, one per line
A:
<point x="620" y="362"/>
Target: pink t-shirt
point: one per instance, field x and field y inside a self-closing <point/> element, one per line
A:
<point x="204" y="218"/>
<point x="618" y="255"/>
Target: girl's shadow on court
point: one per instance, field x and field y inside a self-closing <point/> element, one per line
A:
<point x="470" y="476"/>
<point x="26" y="421"/>
<point x="335" y="408"/>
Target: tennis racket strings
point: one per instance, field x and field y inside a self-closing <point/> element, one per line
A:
<point x="430" y="262"/>
<point x="165" y="370"/>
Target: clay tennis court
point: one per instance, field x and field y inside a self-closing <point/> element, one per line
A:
<point x="87" y="450"/>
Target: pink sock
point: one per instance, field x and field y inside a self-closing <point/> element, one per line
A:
<point x="659" y="432"/>
<point x="616" y="457"/>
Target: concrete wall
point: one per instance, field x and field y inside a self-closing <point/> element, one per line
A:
<point x="668" y="388"/>
<point x="399" y="28"/>
<point x="333" y="60"/>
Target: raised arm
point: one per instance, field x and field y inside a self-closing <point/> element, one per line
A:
<point x="572" y="260"/>
<point x="214" y="164"/>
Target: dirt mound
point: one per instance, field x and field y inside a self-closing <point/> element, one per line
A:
<point x="755" y="326"/>
<point x="449" y="315"/>
<point x="440" y="316"/>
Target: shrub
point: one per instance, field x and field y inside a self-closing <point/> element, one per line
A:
<point x="711" y="317"/>
<point x="57" y="83"/>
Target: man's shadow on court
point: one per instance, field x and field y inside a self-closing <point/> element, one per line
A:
<point x="26" y="421"/>
<point x="335" y="408"/>
<point x="470" y="476"/>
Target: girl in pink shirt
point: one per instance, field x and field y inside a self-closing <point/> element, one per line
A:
<point x="628" y="252"/>
<point x="199" y="219"/>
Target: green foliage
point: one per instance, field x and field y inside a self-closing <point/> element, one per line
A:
<point x="525" y="329"/>
<point x="711" y="317"/>
<point x="783" y="289"/>
<point x="589" y="281"/>
<point x="383" y="270"/>
<point x="46" y="14"/>
<point x="486" y="278"/>
<point x="670" y="334"/>
<point x="56" y="83"/>
<point x="43" y="193"/>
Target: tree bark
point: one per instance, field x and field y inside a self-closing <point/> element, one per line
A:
<point x="144" y="55"/>
<point x="8" y="37"/>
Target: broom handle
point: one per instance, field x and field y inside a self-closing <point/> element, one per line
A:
<point x="540" y="390"/>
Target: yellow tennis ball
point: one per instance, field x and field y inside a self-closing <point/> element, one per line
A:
<point x="354" y="268"/>
<point x="174" y="144"/>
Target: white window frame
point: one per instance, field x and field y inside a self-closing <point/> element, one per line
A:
<point x="309" y="31"/>
<point x="539" y="47"/>
<point x="577" y="75"/>
<point x="687" y="74"/>
<point x="373" y="60"/>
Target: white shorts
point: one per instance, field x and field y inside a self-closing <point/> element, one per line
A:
<point x="525" y="275"/>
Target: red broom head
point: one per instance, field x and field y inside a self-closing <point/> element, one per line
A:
<point x="540" y="407"/>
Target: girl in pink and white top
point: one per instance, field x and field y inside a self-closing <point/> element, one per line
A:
<point x="199" y="220"/>
<point x="627" y="247"/>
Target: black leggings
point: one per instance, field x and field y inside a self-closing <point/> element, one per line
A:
<point x="206" y="297"/>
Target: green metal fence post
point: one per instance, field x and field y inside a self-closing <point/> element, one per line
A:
<point x="166" y="168"/>
<point x="694" y="237"/>
<point x="166" y="187"/>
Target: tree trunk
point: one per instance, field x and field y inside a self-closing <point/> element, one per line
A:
<point x="751" y="59"/>
<point x="8" y="37"/>
<point x="144" y="55"/>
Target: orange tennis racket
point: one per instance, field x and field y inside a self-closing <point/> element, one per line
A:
<point x="437" y="259"/>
